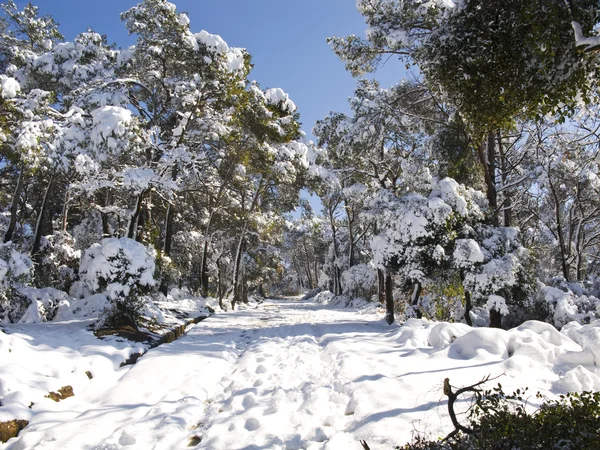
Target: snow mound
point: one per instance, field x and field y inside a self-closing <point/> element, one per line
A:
<point x="85" y="308"/>
<point x="44" y="303"/>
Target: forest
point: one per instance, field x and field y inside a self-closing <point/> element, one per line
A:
<point x="148" y="188"/>
<point x="468" y="191"/>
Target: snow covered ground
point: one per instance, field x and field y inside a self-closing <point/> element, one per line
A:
<point x="283" y="374"/>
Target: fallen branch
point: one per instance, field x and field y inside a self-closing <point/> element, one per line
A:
<point x="453" y="396"/>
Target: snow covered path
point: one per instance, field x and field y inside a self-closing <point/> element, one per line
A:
<point x="269" y="376"/>
<point x="288" y="374"/>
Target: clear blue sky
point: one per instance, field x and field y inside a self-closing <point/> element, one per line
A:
<point x="286" y="39"/>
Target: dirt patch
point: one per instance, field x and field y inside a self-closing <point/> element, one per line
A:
<point x="63" y="392"/>
<point x="126" y="332"/>
<point x="11" y="429"/>
<point x="194" y="440"/>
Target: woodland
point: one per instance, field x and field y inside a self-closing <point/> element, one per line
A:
<point x="468" y="192"/>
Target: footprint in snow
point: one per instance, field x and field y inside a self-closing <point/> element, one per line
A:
<point x="261" y="369"/>
<point x="249" y="401"/>
<point x="252" y="424"/>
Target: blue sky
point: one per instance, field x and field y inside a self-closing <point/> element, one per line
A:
<point x="285" y="37"/>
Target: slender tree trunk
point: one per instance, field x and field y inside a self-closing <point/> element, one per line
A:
<point x="14" y="207"/>
<point x="381" y="286"/>
<point x="415" y="299"/>
<point x="65" y="211"/>
<point x="132" y="228"/>
<point x="389" y="299"/>
<point x="559" y="233"/>
<point x="237" y="268"/>
<point x="488" y="162"/>
<point x="506" y="204"/>
<point x="468" y="308"/>
<point x="350" y="234"/>
<point x="168" y="242"/>
<point x="219" y="283"/>
<point x="204" y="261"/>
<point x="298" y="271"/>
<point x="337" y="286"/>
<point x="40" y="225"/>
<point x="307" y="266"/>
<point x="171" y="212"/>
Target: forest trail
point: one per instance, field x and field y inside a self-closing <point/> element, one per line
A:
<point x="271" y="375"/>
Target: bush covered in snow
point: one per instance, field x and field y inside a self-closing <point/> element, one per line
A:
<point x="123" y="270"/>
<point x="562" y="302"/>
<point x="359" y="281"/>
<point x="16" y="270"/>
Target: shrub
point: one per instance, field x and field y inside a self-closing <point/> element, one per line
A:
<point x="123" y="270"/>
<point x="16" y="270"/>
<point x="501" y="422"/>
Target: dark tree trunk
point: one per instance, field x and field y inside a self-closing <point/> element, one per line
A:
<point x="42" y="219"/>
<point x="219" y="284"/>
<point x="65" y="210"/>
<point x="237" y="269"/>
<point x="506" y="204"/>
<point x="204" y="269"/>
<point x="14" y="208"/>
<point x="389" y="299"/>
<point x="468" y="308"/>
<point x="415" y="299"/>
<point x="495" y="318"/>
<point x="133" y="221"/>
<point x="381" y="286"/>
<point x="488" y="162"/>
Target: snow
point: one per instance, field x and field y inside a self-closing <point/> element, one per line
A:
<point x="582" y="41"/>
<point x="277" y="96"/>
<point x="9" y="87"/>
<point x="113" y="261"/>
<point x="282" y="374"/>
<point x="109" y="121"/>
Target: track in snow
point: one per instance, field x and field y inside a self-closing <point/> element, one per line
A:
<point x="268" y="376"/>
<point x="286" y="385"/>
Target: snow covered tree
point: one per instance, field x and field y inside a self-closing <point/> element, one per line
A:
<point x="465" y="52"/>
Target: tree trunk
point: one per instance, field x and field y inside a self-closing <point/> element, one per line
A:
<point x="164" y="282"/>
<point x="415" y="299"/>
<point x="389" y="299"/>
<point x="219" y="284"/>
<point x="381" y="286"/>
<point x="41" y="220"/>
<point x="65" y="211"/>
<point x="14" y="208"/>
<point x="506" y="204"/>
<point x="204" y="269"/>
<point x="133" y="221"/>
<point x="237" y="269"/>
<point x="559" y="233"/>
<point x="495" y="318"/>
<point x="488" y="162"/>
<point x="468" y="308"/>
<point x="350" y="234"/>
<point x="171" y="211"/>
